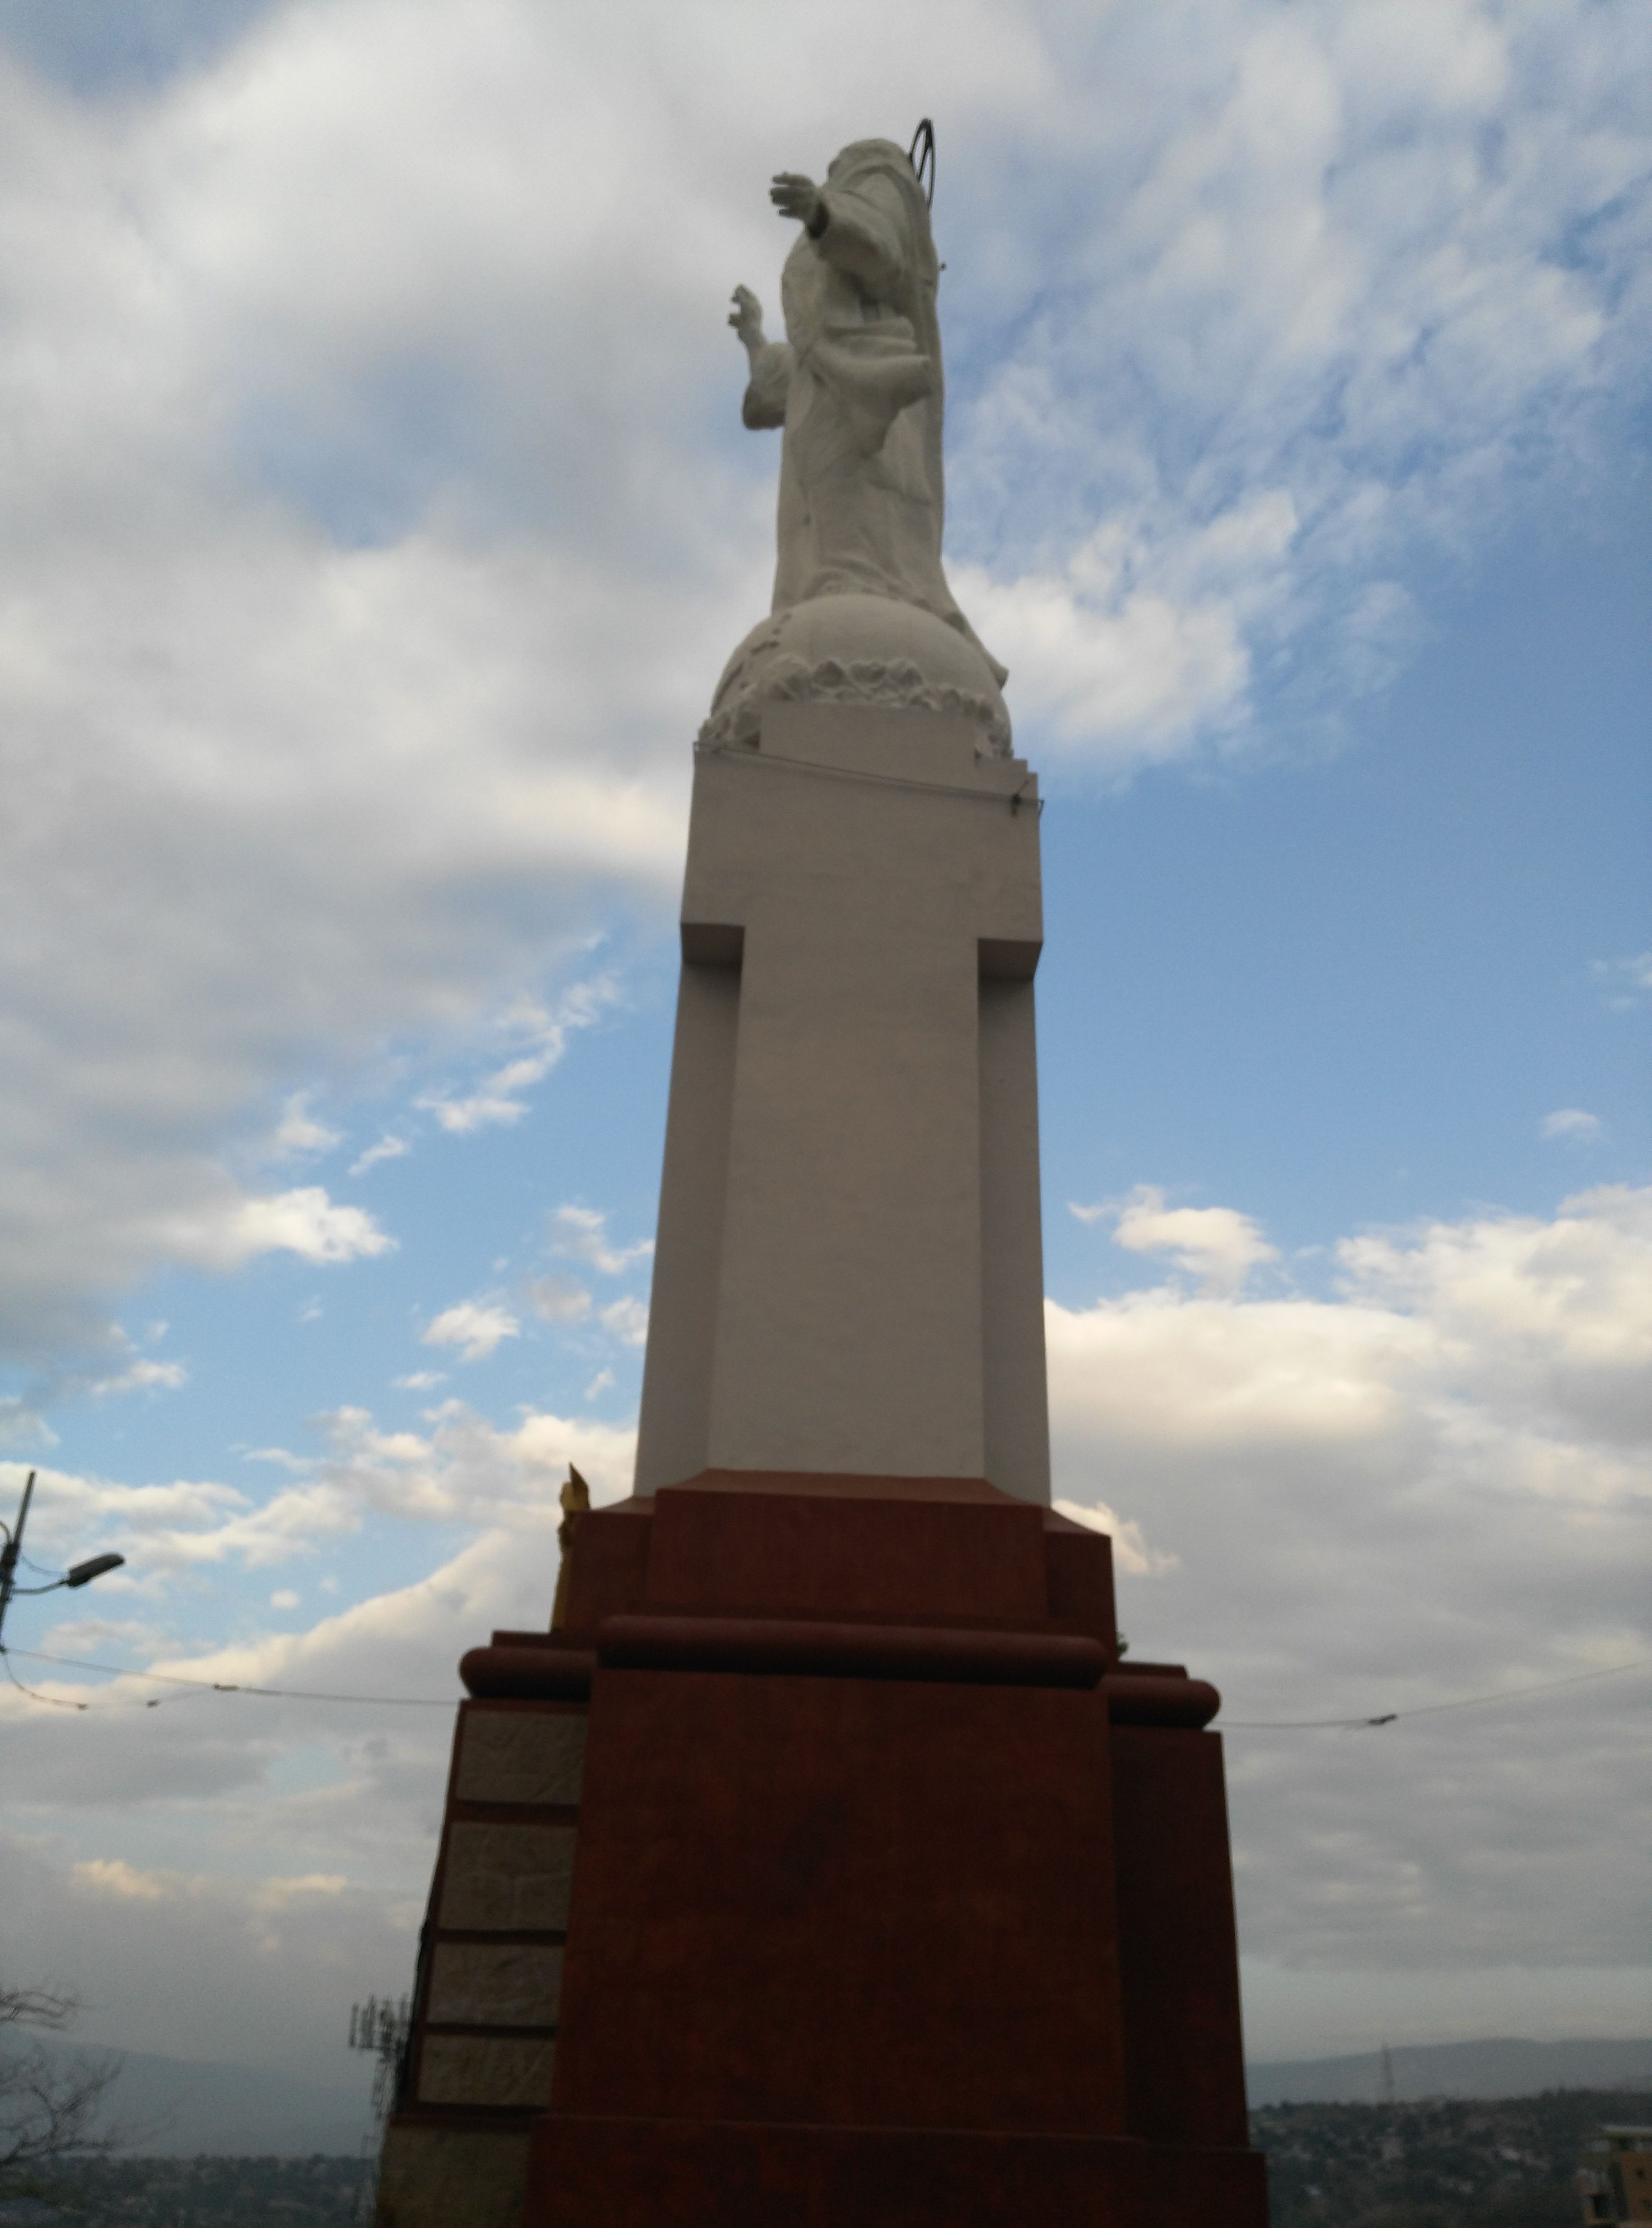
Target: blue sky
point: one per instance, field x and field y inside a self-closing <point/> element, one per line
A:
<point x="379" y="520"/>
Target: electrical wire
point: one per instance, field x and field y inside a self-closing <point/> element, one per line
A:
<point x="51" y="1701"/>
<point x="56" y="1702"/>
<point x="1425" y="1709"/>
<point x="426" y="1702"/>
<point x="209" y="1685"/>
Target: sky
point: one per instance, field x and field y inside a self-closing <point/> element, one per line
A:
<point x="378" y="520"/>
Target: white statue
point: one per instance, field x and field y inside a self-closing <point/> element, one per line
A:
<point x="857" y="385"/>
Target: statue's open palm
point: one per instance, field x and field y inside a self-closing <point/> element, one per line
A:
<point x="747" y="317"/>
<point x="795" y="195"/>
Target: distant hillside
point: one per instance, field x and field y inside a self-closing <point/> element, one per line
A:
<point x="179" y="2108"/>
<point x="1454" y="2069"/>
<point x="184" y="2108"/>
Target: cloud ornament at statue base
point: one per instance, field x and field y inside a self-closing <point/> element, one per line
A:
<point x="857" y="649"/>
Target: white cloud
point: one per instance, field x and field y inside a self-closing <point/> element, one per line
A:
<point x="1625" y="981"/>
<point x="582" y="1233"/>
<point x="69" y="1507"/>
<point x="1142" y="670"/>
<point x="460" y="1470"/>
<point x="1570" y="1122"/>
<point x="170" y="1955"/>
<point x="1214" y="1244"/>
<point x="421" y="1380"/>
<point x="1205" y="1373"/>
<point x="1131" y="1550"/>
<point x="1428" y="1485"/>
<point x="1131" y="652"/>
<point x="368" y="538"/>
<point x="114" y="1876"/>
<point x="1305" y="319"/>
<point x="387" y="1148"/>
<point x="297" y="1133"/>
<point x="283" y="1597"/>
<point x="306" y="1222"/>
<point x="361" y="561"/>
<point x="544" y="1034"/>
<point x="559" y="1299"/>
<point x="627" y="1319"/>
<point x="143" y="1376"/>
<point x="476" y="1327"/>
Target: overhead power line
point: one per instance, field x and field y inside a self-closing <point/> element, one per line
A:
<point x="1426" y="1709"/>
<point x="215" y="1686"/>
<point x="446" y="1702"/>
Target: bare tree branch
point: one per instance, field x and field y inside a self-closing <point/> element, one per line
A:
<point x="49" y="2105"/>
<point x="37" y="2008"/>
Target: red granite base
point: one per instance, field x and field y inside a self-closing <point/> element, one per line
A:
<point x="631" y="2173"/>
<point x="835" y="1899"/>
<point x="898" y="1898"/>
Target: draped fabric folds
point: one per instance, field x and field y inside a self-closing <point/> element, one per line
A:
<point x="858" y="388"/>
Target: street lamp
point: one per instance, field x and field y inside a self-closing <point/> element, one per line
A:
<point x="81" y="1574"/>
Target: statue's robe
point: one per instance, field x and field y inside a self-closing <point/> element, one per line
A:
<point x="858" y="388"/>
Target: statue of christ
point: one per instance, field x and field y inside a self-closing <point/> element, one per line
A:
<point x="857" y="386"/>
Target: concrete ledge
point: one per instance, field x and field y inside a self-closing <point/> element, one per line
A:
<point x="1005" y="959"/>
<point x="713" y="944"/>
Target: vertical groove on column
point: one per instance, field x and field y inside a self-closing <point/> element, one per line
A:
<point x="1012" y="1249"/>
<point x="688" y="1263"/>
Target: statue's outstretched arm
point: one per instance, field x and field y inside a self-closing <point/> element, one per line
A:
<point x="770" y="362"/>
<point x="862" y="232"/>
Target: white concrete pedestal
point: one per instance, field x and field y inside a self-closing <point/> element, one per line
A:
<point x="850" y="1268"/>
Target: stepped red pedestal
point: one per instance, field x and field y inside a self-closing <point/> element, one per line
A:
<point x="897" y="1898"/>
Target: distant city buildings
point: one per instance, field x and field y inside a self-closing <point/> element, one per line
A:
<point x="1615" y="2186"/>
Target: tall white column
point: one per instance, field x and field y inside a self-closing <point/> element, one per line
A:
<point x="850" y="1269"/>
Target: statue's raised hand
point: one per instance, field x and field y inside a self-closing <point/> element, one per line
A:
<point x="747" y="318"/>
<point x="795" y="195"/>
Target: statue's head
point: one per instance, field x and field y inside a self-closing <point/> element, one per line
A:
<point x="863" y="159"/>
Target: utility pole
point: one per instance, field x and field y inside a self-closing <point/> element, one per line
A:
<point x="80" y="1575"/>
<point x="1387" y="2077"/>
<point x="12" y="1549"/>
